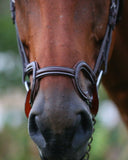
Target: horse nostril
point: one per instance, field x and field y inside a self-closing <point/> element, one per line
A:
<point x="35" y="133"/>
<point x="83" y="130"/>
<point x="32" y="125"/>
<point x="86" y="122"/>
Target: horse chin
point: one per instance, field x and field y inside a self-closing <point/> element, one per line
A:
<point x="62" y="157"/>
<point x="62" y="143"/>
<point x="63" y="154"/>
<point x="62" y="146"/>
<point x="62" y="150"/>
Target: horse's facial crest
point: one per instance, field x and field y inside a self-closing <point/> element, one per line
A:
<point x="61" y="33"/>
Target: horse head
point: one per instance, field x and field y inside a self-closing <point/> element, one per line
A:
<point x="56" y="38"/>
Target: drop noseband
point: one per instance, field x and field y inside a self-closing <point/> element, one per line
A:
<point x="94" y="76"/>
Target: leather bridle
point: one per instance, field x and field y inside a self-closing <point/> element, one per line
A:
<point x="94" y="76"/>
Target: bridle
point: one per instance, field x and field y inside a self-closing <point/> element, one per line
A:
<point x="94" y="76"/>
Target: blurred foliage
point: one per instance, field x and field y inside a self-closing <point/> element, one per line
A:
<point x="109" y="144"/>
<point x="8" y="50"/>
<point x="7" y="30"/>
<point x="15" y="144"/>
<point x="102" y="93"/>
<point x="10" y="71"/>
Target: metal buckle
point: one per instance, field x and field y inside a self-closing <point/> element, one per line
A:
<point x="27" y="85"/>
<point x="99" y="78"/>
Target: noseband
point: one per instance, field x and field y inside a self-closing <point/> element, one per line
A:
<point x="94" y="76"/>
<point x="73" y="73"/>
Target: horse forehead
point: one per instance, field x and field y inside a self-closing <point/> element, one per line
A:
<point x="61" y="5"/>
<point x="60" y="28"/>
<point x="41" y="12"/>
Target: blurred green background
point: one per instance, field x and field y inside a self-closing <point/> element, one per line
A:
<point x="110" y="139"/>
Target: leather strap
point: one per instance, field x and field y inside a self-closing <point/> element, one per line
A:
<point x="73" y="73"/>
<point x="22" y="52"/>
<point x="102" y="60"/>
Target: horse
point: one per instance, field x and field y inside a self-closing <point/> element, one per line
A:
<point x="66" y="47"/>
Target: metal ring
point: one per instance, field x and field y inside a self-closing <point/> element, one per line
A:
<point x="79" y="67"/>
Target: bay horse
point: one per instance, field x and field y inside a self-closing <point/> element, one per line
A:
<point x="65" y="47"/>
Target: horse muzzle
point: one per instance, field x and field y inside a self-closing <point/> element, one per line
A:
<point x="61" y="127"/>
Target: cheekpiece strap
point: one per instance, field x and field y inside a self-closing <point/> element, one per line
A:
<point x="102" y="60"/>
<point x="114" y="10"/>
<point x="12" y="8"/>
<point x="20" y="44"/>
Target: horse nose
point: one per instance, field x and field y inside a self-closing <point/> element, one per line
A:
<point x="61" y="123"/>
